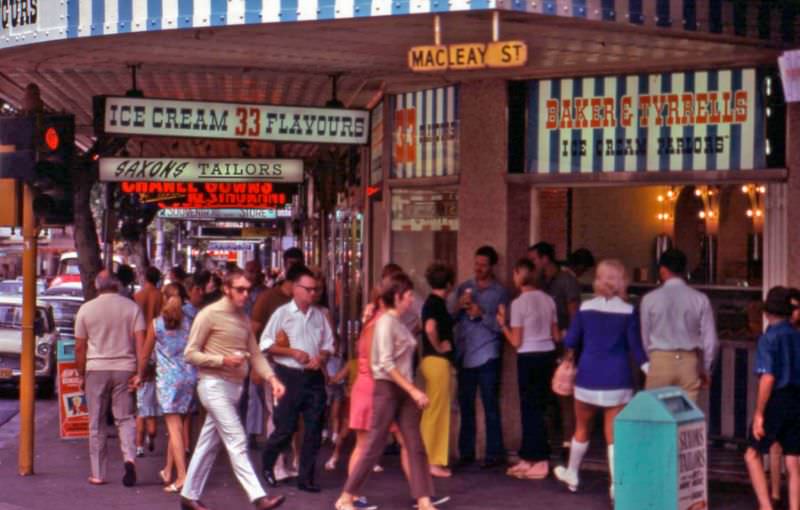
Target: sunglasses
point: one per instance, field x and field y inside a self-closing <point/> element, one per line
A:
<point x="242" y="290"/>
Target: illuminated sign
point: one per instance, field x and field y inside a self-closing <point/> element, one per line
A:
<point x="223" y="214"/>
<point x="200" y="170"/>
<point x="465" y="57"/>
<point x="200" y="119"/>
<point x="210" y="194"/>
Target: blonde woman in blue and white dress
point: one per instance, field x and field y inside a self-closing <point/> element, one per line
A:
<point x="606" y="333"/>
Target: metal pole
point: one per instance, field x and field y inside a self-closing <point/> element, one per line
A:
<point x="26" y="379"/>
<point x="495" y="26"/>
<point x="108" y="242"/>
<point x="437" y="30"/>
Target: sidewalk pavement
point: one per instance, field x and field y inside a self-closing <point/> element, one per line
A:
<point x="63" y="466"/>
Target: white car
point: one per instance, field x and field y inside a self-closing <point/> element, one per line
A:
<point x="11" y="344"/>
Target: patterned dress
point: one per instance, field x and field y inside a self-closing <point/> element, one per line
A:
<point x="175" y="379"/>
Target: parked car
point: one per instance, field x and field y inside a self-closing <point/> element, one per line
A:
<point x="65" y="308"/>
<point x="73" y="289"/>
<point x="11" y="344"/>
<point x="14" y="287"/>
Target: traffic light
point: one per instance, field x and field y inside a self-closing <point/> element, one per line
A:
<point x="52" y="182"/>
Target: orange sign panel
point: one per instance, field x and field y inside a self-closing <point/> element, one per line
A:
<point x="469" y="56"/>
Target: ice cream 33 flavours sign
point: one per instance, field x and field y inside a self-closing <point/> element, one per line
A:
<point x="201" y="119"/>
<point x="697" y="120"/>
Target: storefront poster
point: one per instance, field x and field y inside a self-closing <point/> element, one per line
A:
<point x="73" y="410"/>
<point x="200" y="119"/>
<point x="425" y="129"/>
<point x="200" y="170"/>
<point x="668" y="122"/>
<point x="692" y="467"/>
<point x="419" y="210"/>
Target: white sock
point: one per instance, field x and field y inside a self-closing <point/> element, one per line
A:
<point x="610" y="450"/>
<point x="576" y="452"/>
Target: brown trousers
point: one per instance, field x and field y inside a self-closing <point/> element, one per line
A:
<point x="391" y="404"/>
<point x="675" y="368"/>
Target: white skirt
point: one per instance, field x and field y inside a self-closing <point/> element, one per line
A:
<point x="603" y="398"/>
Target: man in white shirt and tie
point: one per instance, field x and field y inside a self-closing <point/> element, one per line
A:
<point x="678" y="330"/>
<point x="299" y="340"/>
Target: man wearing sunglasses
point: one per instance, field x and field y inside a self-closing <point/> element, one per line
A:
<point x="299" y="365"/>
<point x="222" y="345"/>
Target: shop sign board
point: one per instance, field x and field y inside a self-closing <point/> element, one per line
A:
<point x="425" y="130"/>
<point x="200" y="170"/>
<point x="422" y="210"/>
<point x="73" y="411"/>
<point x="692" y="466"/>
<point x="201" y="119"/>
<point x="684" y="121"/>
<point x="223" y="214"/>
<point x="223" y="195"/>
<point x="468" y="56"/>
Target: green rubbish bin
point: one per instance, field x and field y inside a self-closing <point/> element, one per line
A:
<point x="660" y="459"/>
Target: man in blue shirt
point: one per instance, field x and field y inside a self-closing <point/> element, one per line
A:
<point x="478" y="348"/>
<point x="777" y="415"/>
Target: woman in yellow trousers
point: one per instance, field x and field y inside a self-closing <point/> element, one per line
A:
<point x="435" y="367"/>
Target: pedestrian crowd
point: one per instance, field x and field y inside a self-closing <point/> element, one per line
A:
<point x="259" y="360"/>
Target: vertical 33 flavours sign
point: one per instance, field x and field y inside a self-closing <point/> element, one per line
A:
<point x="200" y="119"/>
<point x="696" y="120"/>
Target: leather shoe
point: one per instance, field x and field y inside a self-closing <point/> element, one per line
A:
<point x="269" y="477"/>
<point x="492" y="462"/>
<point x="267" y="503"/>
<point x="190" y="504"/>
<point x="308" y="487"/>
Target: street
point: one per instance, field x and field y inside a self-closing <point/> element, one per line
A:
<point x="62" y="467"/>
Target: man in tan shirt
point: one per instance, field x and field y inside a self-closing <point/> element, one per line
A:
<point x="109" y="331"/>
<point x="221" y="344"/>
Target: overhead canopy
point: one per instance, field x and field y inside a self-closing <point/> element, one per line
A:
<point x="241" y="51"/>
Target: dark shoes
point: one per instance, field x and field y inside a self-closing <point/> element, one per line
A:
<point x="129" y="478"/>
<point x="464" y="462"/>
<point x="189" y="504"/>
<point x="269" y="477"/>
<point x="267" y="503"/>
<point x="308" y="487"/>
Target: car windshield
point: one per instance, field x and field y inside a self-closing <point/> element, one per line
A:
<point x="64" y="310"/>
<point x="69" y="266"/>
<point x="11" y="316"/>
<point x="11" y="288"/>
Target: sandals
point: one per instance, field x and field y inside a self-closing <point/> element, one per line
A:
<point x="173" y="488"/>
<point x="344" y="505"/>
<point x="164" y="477"/>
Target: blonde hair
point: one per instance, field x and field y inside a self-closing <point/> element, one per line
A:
<point x="172" y="310"/>
<point x="611" y="279"/>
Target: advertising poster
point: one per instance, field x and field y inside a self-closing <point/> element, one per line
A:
<point x="692" y="467"/>
<point x="73" y="410"/>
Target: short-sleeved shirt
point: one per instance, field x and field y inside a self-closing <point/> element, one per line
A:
<point x="436" y="308"/>
<point x="778" y="353"/>
<point x="393" y="347"/>
<point x="535" y="312"/>
<point x="309" y="332"/>
<point x="564" y="289"/>
<point x="109" y="322"/>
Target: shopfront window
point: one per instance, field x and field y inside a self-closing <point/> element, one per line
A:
<point x="424" y="230"/>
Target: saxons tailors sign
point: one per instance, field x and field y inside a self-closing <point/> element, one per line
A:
<point x="696" y="120"/>
<point x="199" y="119"/>
<point x="461" y="57"/>
<point x="200" y="170"/>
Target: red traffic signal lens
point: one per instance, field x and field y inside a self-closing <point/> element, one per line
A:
<point x="51" y="139"/>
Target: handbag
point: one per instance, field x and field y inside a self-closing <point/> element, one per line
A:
<point x="564" y="379"/>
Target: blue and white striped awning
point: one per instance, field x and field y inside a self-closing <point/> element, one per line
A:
<point x="33" y="21"/>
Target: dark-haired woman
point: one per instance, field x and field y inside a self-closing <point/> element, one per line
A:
<point x="436" y="369"/>
<point x="175" y="379"/>
<point x="395" y="398"/>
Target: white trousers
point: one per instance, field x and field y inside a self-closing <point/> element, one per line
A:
<point x="222" y="426"/>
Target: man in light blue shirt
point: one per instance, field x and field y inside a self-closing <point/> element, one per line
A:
<point x="478" y="348"/>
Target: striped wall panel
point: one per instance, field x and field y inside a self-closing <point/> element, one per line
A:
<point x="62" y="19"/>
<point x="425" y="131"/>
<point x="647" y="123"/>
<point x="734" y="387"/>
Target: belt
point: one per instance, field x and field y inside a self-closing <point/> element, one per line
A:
<point x="298" y="370"/>
<point x="680" y="353"/>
